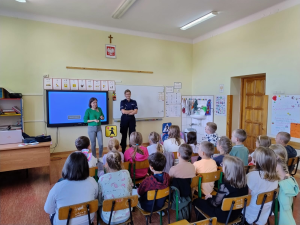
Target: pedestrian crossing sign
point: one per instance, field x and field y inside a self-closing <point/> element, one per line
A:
<point x="111" y="131"/>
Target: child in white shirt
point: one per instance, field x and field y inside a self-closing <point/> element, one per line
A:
<point x="83" y="144"/>
<point x="174" y="141"/>
<point x="211" y="134"/>
<point x="264" y="178"/>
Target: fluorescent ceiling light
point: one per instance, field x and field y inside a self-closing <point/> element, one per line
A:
<point x="22" y="1"/>
<point x="122" y="8"/>
<point x="201" y="19"/>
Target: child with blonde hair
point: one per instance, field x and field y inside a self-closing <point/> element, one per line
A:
<point x="113" y="146"/>
<point x="233" y="185"/>
<point x="206" y="164"/>
<point x="239" y="150"/>
<point x="154" y="141"/>
<point x="155" y="146"/>
<point x="174" y="141"/>
<point x="280" y="151"/>
<point x="283" y="138"/>
<point x="263" y="178"/>
<point x="224" y="146"/>
<point x="261" y="141"/>
<point x="211" y="134"/>
<point x="137" y="153"/>
<point x="288" y="189"/>
<point x="116" y="183"/>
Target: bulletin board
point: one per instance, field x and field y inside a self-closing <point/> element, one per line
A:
<point x="286" y="114"/>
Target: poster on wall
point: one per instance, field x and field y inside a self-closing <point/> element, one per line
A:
<point x="97" y="85"/>
<point x="82" y="85"/>
<point x="89" y="85"/>
<point x="48" y="83"/>
<point x="285" y="111"/>
<point x="56" y="84"/>
<point x="65" y="84"/>
<point x="104" y="85"/>
<point x="111" y="85"/>
<point x="220" y="105"/>
<point x="74" y="84"/>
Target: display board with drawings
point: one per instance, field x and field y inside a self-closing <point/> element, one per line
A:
<point x="150" y="101"/>
<point x="285" y="110"/>
<point x="187" y="107"/>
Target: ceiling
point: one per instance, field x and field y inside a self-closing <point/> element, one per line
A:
<point x="152" y="16"/>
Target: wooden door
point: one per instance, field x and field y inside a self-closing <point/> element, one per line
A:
<point x="254" y="109"/>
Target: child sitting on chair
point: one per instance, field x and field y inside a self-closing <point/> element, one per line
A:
<point x="116" y="183"/>
<point x="113" y="145"/>
<point x="83" y="144"/>
<point x="206" y="165"/>
<point x="158" y="181"/>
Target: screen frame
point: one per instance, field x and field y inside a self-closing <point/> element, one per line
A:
<point x="73" y="124"/>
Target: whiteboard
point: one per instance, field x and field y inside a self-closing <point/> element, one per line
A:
<point x="147" y="98"/>
<point x="285" y="110"/>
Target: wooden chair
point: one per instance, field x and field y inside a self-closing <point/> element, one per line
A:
<point x="264" y="198"/>
<point x="136" y="166"/>
<point x="194" y="185"/>
<point x="126" y="166"/>
<point x="209" y="177"/>
<point x="230" y="204"/>
<point x="175" y="155"/>
<point x="111" y="205"/>
<point x="153" y="196"/>
<point x="210" y="221"/>
<point x="94" y="173"/>
<point x="78" y="210"/>
<point x="248" y="168"/>
<point x="292" y="162"/>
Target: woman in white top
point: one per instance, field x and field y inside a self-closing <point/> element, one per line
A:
<point x="174" y="141"/>
<point x="264" y="178"/>
<point x="76" y="187"/>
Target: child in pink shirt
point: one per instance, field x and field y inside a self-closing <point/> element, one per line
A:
<point x="136" y="153"/>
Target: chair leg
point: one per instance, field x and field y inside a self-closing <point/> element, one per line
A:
<point x="160" y="218"/>
<point x="146" y="220"/>
<point x="168" y="216"/>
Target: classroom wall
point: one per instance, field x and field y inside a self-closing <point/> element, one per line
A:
<point x="31" y="49"/>
<point x="270" y="45"/>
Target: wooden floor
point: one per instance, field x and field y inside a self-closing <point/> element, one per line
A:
<point x="22" y="198"/>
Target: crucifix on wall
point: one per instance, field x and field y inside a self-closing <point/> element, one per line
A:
<point x="110" y="37"/>
<point x="110" y="50"/>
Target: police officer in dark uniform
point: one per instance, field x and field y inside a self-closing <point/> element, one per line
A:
<point x="128" y="108"/>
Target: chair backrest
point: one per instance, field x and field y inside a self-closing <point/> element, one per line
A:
<point x="238" y="202"/>
<point x="210" y="177"/>
<point x="195" y="154"/>
<point x="210" y="221"/>
<point x="93" y="171"/>
<point x="125" y="165"/>
<point x="248" y="168"/>
<point x="269" y="196"/>
<point x="142" y="165"/>
<point x="293" y="161"/>
<point x="77" y="210"/>
<point x="120" y="203"/>
<point x="160" y="194"/>
<point x="195" y="182"/>
<point x="175" y="155"/>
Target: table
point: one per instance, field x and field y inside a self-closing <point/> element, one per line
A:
<point x="13" y="157"/>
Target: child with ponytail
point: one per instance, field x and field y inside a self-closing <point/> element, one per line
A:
<point x="137" y="153"/>
<point x="155" y="146"/>
<point x="113" y="146"/>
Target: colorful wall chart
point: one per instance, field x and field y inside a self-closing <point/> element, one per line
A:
<point x="220" y="105"/>
<point x="285" y="110"/>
